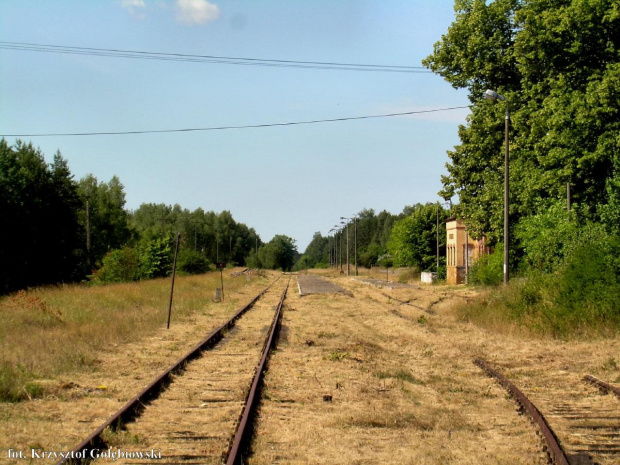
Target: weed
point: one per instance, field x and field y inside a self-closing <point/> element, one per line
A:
<point x="338" y="355"/>
<point x="422" y="320"/>
<point x="610" y="364"/>
<point x="16" y="385"/>
<point x="119" y="437"/>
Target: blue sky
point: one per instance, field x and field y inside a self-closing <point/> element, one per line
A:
<point x="282" y="180"/>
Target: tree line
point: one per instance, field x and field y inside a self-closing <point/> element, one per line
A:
<point x="409" y="238"/>
<point x="56" y="229"/>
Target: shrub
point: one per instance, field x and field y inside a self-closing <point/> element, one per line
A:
<point x="120" y="265"/>
<point x="488" y="270"/>
<point x="545" y="237"/>
<point x="156" y="259"/>
<point x="192" y="262"/>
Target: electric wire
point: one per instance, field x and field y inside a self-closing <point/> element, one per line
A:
<point x="222" y="128"/>
<point x="212" y="59"/>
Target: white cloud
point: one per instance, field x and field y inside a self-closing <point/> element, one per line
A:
<point x="196" y="12"/>
<point x="135" y="7"/>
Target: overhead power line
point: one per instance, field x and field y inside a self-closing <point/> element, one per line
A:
<point x="222" y="128"/>
<point x="213" y="59"/>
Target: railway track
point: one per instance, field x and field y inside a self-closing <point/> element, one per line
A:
<point x="199" y="410"/>
<point x="578" y="426"/>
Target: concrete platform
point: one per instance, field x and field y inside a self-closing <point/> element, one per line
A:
<point x="311" y="284"/>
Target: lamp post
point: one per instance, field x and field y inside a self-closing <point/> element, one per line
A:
<point x="354" y="218"/>
<point x="348" y="261"/>
<point x="492" y="95"/>
<point x="339" y="246"/>
<point x="332" y="248"/>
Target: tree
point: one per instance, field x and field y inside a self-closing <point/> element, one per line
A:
<point x="38" y="225"/>
<point x="103" y="216"/>
<point x="279" y="253"/>
<point x="317" y="253"/>
<point x="557" y="63"/>
<point x="413" y="241"/>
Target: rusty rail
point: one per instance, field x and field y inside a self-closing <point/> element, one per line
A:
<point x="554" y="450"/>
<point x="81" y="454"/>
<point x="243" y="434"/>
<point x="602" y="385"/>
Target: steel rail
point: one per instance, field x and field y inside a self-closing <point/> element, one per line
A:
<point x="82" y="453"/>
<point x="554" y="450"/>
<point x="602" y="385"/>
<point x="243" y="434"/>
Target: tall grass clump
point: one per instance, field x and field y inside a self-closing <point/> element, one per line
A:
<point x="569" y="285"/>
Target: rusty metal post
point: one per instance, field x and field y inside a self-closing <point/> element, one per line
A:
<point x="174" y="269"/>
<point x="222" y="280"/>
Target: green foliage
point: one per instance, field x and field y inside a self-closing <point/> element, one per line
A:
<point x="118" y="266"/>
<point x="545" y="237"/>
<point x="371" y="254"/>
<point x="488" y="270"/>
<point x="39" y="231"/>
<point x="386" y="260"/>
<point x="218" y="237"/>
<point x="317" y="253"/>
<point x="252" y="260"/>
<point x="588" y="284"/>
<point x="279" y="253"/>
<point x="156" y="259"/>
<point x="102" y="216"/>
<point x="413" y="241"/>
<point x="442" y="273"/>
<point x="582" y="296"/>
<point x="557" y="64"/>
<point x="192" y="262"/>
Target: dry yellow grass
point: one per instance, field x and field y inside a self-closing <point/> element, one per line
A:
<point x="401" y="379"/>
<point x="78" y="397"/>
<point x="403" y="385"/>
<point x="52" y="330"/>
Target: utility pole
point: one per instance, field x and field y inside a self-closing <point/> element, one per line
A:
<point x="437" y="234"/>
<point x="348" y="261"/>
<point x="88" y="234"/>
<point x="568" y="196"/>
<point x="341" y="251"/>
<point x="355" y="243"/>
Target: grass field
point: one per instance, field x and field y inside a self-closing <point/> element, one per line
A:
<point x="46" y="332"/>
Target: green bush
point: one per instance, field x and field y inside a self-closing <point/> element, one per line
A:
<point x="192" y="262"/>
<point x="155" y="259"/>
<point x="120" y="265"/>
<point x="581" y="297"/>
<point x="588" y="283"/>
<point x="152" y="259"/>
<point x="488" y="270"/>
<point x="442" y="273"/>
<point x="545" y="237"/>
